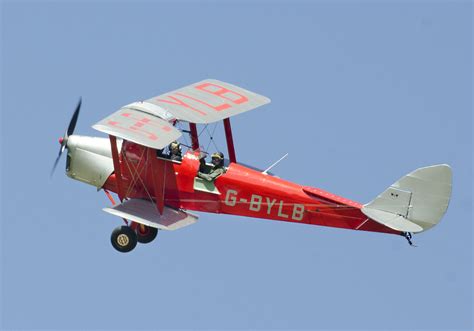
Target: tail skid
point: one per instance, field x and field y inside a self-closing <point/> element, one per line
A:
<point x="416" y="202"/>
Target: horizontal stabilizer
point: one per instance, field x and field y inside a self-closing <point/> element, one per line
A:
<point x="145" y="212"/>
<point x="393" y="221"/>
<point x="416" y="202"/>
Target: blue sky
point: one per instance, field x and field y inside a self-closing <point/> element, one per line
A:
<point x="362" y="93"/>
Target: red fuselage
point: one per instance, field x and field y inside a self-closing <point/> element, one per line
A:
<point x="240" y="191"/>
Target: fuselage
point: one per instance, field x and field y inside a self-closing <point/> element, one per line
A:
<point x="240" y="191"/>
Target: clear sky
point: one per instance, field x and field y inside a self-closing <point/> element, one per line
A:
<point x="362" y="93"/>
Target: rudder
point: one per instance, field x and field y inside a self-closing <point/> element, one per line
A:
<point x="416" y="202"/>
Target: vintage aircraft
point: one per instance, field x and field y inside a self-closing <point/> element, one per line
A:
<point x="157" y="193"/>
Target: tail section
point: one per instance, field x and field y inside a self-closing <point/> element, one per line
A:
<point x="416" y="202"/>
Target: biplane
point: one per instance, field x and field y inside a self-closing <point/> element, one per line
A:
<point x="157" y="193"/>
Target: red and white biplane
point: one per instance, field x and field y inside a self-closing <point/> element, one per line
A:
<point x="157" y="193"/>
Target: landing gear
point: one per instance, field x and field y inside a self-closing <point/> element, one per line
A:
<point x="146" y="234"/>
<point x="124" y="239"/>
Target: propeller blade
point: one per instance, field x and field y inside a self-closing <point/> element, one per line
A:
<point x="72" y="123"/>
<point x="55" y="164"/>
<point x="69" y="132"/>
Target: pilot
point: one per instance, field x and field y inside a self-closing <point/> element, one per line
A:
<point x="175" y="151"/>
<point x="217" y="169"/>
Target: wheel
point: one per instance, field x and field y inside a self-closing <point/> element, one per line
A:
<point x="124" y="239"/>
<point x="146" y="234"/>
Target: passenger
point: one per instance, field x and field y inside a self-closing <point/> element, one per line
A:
<point x="175" y="151"/>
<point x="217" y="169"/>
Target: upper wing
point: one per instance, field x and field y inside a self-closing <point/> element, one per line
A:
<point x="139" y="127"/>
<point x="148" y="122"/>
<point x="204" y="102"/>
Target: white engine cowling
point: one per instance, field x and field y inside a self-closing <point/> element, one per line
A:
<point x="89" y="159"/>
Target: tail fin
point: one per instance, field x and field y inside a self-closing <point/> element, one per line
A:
<point x="416" y="202"/>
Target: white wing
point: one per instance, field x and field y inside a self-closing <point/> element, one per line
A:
<point x="207" y="101"/>
<point x="145" y="212"/>
<point x="142" y="128"/>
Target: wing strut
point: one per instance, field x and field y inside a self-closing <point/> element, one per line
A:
<point x="230" y="141"/>
<point x="158" y="172"/>
<point x="194" y="136"/>
<point x="118" y="171"/>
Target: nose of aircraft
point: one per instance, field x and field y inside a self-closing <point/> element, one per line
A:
<point x="61" y="140"/>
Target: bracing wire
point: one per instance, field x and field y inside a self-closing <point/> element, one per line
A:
<point x="184" y="136"/>
<point x="211" y="139"/>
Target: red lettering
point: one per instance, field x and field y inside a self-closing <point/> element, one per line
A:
<point x="141" y="122"/>
<point x="134" y="128"/>
<point x="180" y="103"/>
<point x="151" y="135"/>
<point x="217" y="108"/>
<point x="222" y="92"/>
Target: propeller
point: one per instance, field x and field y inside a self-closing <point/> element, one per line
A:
<point x="70" y="131"/>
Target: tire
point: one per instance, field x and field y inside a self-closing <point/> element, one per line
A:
<point x="123" y="239"/>
<point x="147" y="236"/>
